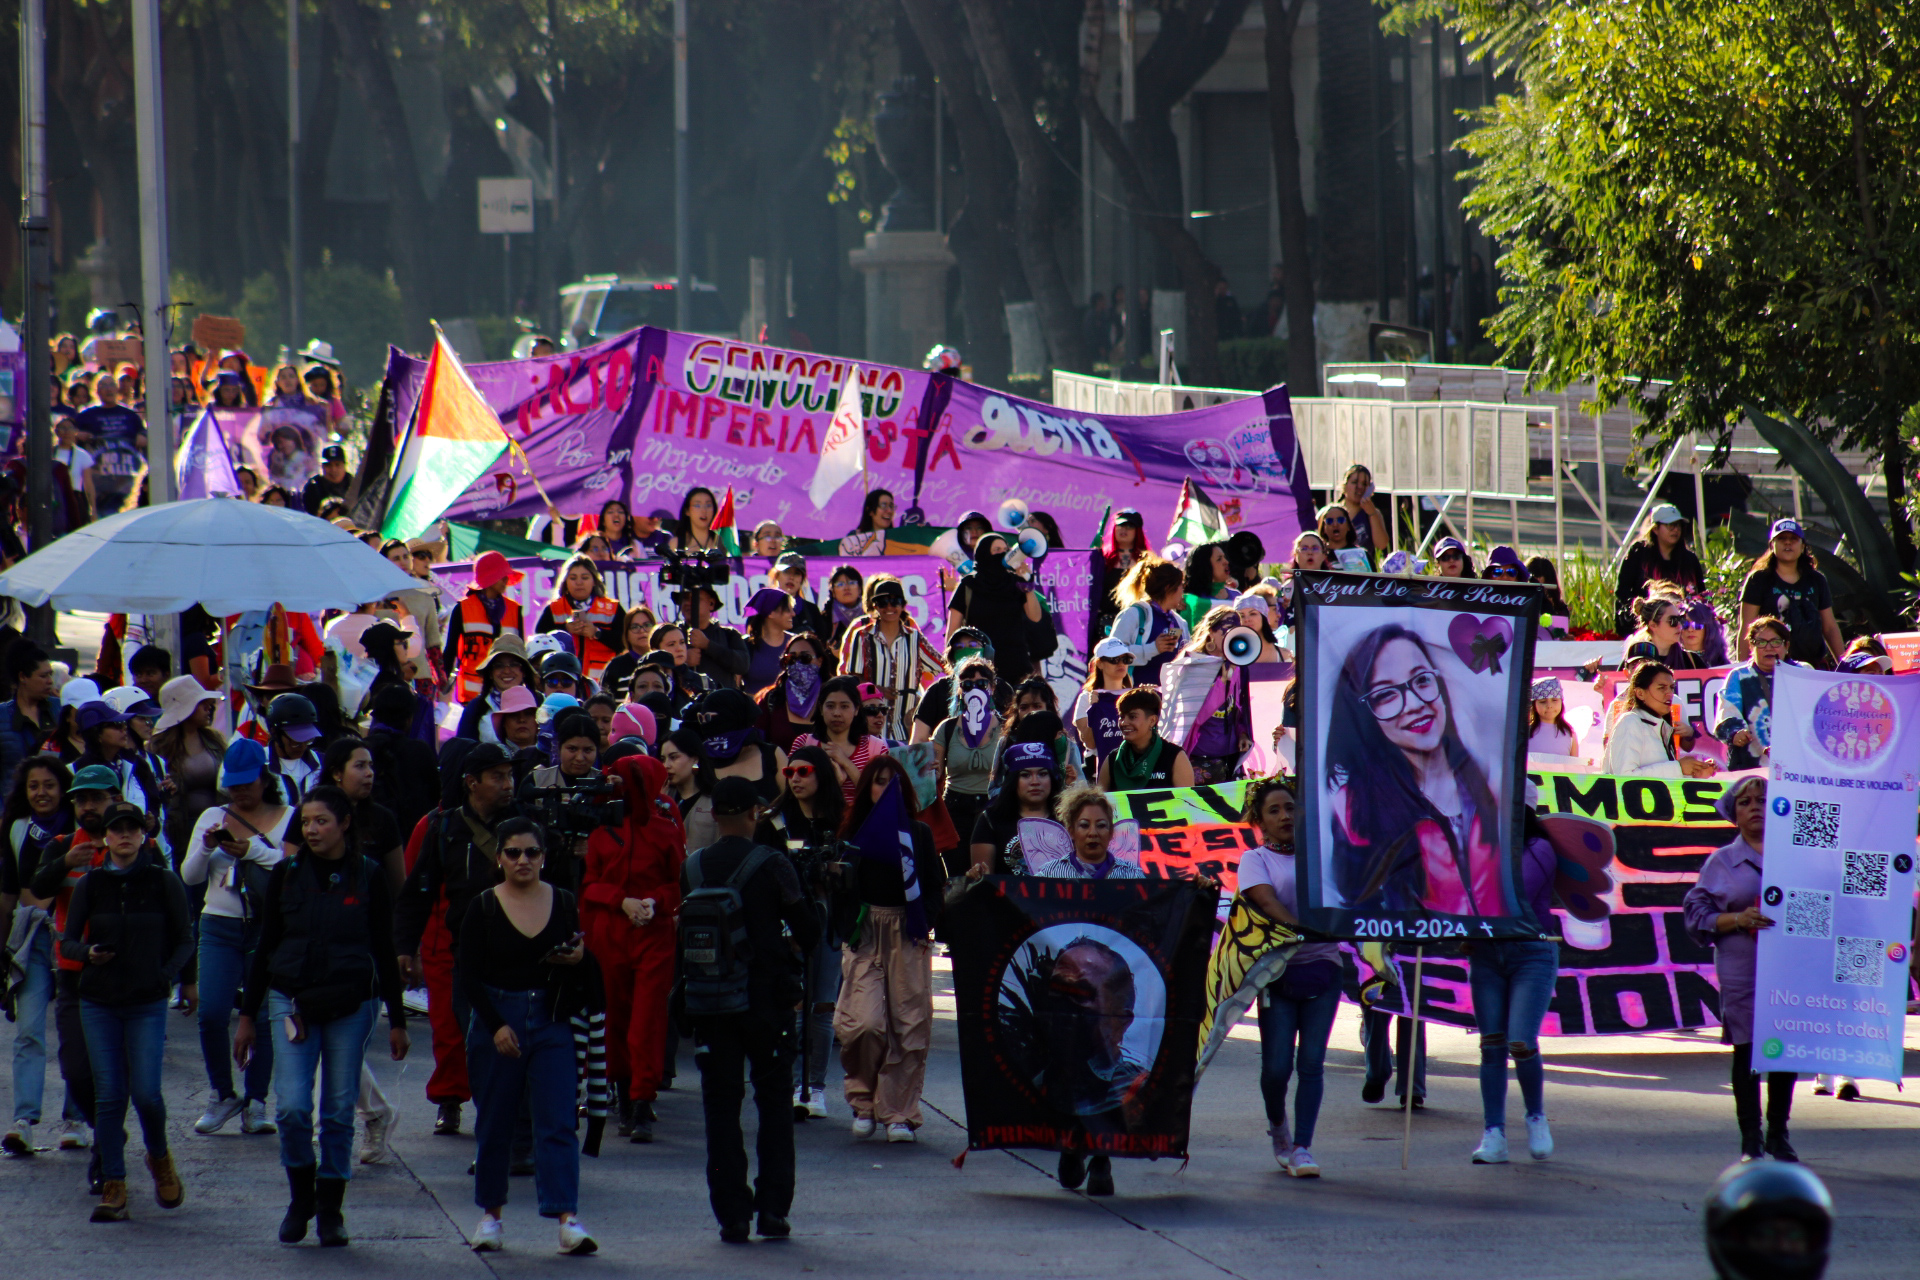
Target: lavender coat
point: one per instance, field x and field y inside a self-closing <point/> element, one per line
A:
<point x="1730" y="881"/>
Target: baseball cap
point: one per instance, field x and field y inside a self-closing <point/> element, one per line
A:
<point x="1113" y="647"/>
<point x="78" y="693"/>
<point x="790" y="560"/>
<point x="1445" y="545"/>
<point x="96" y="713"/>
<point x="1128" y="516"/>
<point x="1665" y="513"/>
<point x="1786" y="525"/>
<point x="515" y="700"/>
<point x="733" y="796"/>
<point x="120" y="811"/>
<point x="492" y="567"/>
<point x="94" y="777"/>
<point x="555" y="703"/>
<point x="244" y="762"/>
<point x="333" y="453"/>
<point x="488" y="755"/>
<point x="293" y="714"/>
<point x="132" y="700"/>
<point x="870" y="693"/>
<point x="889" y="593"/>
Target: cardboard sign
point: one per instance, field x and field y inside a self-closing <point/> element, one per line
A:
<point x="109" y="352"/>
<point x="218" y="333"/>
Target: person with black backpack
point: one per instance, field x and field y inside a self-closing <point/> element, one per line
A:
<point x="738" y="988"/>
<point x="324" y="965"/>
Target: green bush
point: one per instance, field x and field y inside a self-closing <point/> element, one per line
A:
<point x="497" y="335"/>
<point x="349" y="306"/>
<point x="1253" y="364"/>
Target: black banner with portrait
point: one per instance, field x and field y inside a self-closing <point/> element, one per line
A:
<point x="1079" y="1005"/>
<point x="1413" y="698"/>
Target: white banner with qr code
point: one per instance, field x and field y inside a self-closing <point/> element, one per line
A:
<point x="1831" y="988"/>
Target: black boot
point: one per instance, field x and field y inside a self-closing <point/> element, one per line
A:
<point x="329" y="1193"/>
<point x="1779" y="1106"/>
<point x="1100" y="1176"/>
<point x="293" y="1227"/>
<point x="1073" y="1170"/>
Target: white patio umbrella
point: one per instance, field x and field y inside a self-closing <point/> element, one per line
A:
<point x="226" y="555"/>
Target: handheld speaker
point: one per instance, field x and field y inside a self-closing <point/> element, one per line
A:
<point x="1013" y="513"/>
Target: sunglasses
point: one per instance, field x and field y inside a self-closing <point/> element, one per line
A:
<point x="1505" y="571"/>
<point x="797" y="771"/>
<point x="1333" y="519"/>
<point x="559" y="679"/>
<point x="1692" y="624"/>
<point x="802" y="657"/>
<point x="521" y="855"/>
<point x="889" y="602"/>
<point x="873" y="708"/>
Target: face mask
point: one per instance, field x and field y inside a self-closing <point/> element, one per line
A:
<point x="976" y="716"/>
<point x="803" y="690"/>
<point x="725" y="746"/>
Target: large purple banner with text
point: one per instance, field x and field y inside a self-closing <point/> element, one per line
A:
<point x="647" y="415"/>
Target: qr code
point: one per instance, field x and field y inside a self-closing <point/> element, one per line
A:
<point x="1866" y="874"/>
<point x="1815" y="824"/>
<point x="1858" y="960"/>
<point x="1809" y="914"/>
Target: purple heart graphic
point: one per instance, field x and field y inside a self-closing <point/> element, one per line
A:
<point x="1480" y="642"/>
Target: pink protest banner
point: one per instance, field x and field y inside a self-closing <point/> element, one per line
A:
<point x="652" y="413"/>
<point x="1695" y="694"/>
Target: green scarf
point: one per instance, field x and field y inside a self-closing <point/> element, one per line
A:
<point x="1133" y="770"/>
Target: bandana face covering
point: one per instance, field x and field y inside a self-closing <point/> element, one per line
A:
<point x="976" y="716"/>
<point x="803" y="690"/>
<point x="727" y="745"/>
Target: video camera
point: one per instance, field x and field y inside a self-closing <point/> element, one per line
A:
<point x="573" y="813"/>
<point x="691" y="570"/>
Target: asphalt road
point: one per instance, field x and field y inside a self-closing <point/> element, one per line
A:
<point x="1643" y="1125"/>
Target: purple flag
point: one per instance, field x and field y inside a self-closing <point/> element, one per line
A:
<point x="205" y="468"/>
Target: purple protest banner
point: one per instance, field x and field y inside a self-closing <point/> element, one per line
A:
<point x="652" y="413"/>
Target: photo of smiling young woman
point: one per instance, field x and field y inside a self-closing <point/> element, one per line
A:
<point x="1416" y="729"/>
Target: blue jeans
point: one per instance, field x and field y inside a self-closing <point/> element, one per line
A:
<point x="224" y="951"/>
<point x="1512" y="987"/>
<point x="125" y="1044"/>
<point x="1281" y="1022"/>
<point x="544" y="1074"/>
<point x="30" y="1032"/>
<point x="335" y="1051"/>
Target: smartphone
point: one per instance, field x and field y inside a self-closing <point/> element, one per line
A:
<point x="561" y="948"/>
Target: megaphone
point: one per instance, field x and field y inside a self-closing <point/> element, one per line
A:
<point x="1033" y="543"/>
<point x="1243" y="646"/>
<point x="1013" y="513"/>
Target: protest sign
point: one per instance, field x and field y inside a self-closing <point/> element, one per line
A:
<point x="218" y="333"/>
<point x="647" y="415"/>
<point x="1696" y="696"/>
<point x="638" y="582"/>
<point x="281" y="443"/>
<point x="1831" y="983"/>
<point x="1079" y="1005"/>
<point x="1405" y="680"/>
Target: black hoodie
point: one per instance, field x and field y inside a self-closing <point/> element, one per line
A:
<point x="141" y="915"/>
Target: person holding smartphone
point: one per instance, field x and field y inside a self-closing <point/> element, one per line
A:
<point x="521" y="945"/>
<point x="129" y="928"/>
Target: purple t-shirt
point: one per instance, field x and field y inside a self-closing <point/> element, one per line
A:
<point x="1274" y="869"/>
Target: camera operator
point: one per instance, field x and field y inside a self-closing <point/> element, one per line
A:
<point x="717" y="650"/>
<point x="553" y="795"/>
<point x="629" y="894"/>
<point x="805" y="822"/>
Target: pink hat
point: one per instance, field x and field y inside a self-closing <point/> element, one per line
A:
<point x="870" y="693"/>
<point x="518" y="698"/>
<point x="491" y="567"/>
<point x="633" y="721"/>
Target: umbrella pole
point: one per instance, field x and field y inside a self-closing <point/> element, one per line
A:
<point x="226" y="679"/>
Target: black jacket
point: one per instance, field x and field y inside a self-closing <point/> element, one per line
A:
<point x="449" y="862"/>
<point x="326" y="924"/>
<point x="142" y="916"/>
<point x="770" y="898"/>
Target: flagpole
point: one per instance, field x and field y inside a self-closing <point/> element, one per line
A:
<point x="1408" y="1068"/>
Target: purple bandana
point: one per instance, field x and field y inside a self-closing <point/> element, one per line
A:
<point x="1022" y="756"/>
<point x="803" y="690"/>
<point x="976" y="717"/>
<point x="727" y="745"/>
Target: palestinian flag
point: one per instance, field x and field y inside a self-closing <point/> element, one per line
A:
<point x="1196" y="519"/>
<point x="725" y="526"/>
<point x="455" y="439"/>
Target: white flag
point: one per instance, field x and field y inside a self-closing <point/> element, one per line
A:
<point x="843" y="454"/>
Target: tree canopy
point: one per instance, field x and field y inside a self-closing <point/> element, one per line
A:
<point x="1719" y="194"/>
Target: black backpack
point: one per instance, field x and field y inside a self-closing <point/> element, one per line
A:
<point x="713" y="945"/>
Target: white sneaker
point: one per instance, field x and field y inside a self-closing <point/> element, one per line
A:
<point x="575" y="1239"/>
<point x="900" y="1133"/>
<point x="1492" y="1148"/>
<point x="18" y="1140"/>
<point x="863" y="1126"/>
<point x="1539" y="1138"/>
<point x="217" y="1114"/>
<point x="816" y="1104"/>
<point x="1282" y="1136"/>
<point x="1301" y="1164"/>
<point x="256" y="1120"/>
<point x="74" y="1136"/>
<point x="490" y="1236"/>
<point x="376" y="1144"/>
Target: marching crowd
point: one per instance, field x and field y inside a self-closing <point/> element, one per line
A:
<point x="647" y="828"/>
